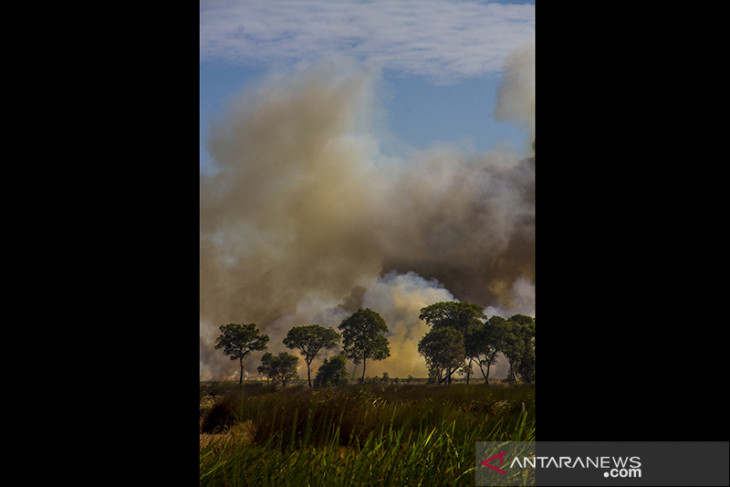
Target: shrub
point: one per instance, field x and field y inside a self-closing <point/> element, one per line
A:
<point x="332" y="372"/>
<point x="280" y="368"/>
<point x="219" y="418"/>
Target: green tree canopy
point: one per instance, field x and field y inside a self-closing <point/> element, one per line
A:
<point x="484" y="344"/>
<point x="332" y="372"/>
<point x="466" y="318"/>
<point x="363" y="337"/>
<point x="526" y="359"/>
<point x="238" y="340"/>
<point x="517" y="343"/>
<point x="310" y="340"/>
<point x="282" y="367"/>
<point x="443" y="349"/>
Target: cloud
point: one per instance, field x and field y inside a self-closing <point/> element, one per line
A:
<point x="518" y="79"/>
<point x="440" y="39"/>
<point x="306" y="220"/>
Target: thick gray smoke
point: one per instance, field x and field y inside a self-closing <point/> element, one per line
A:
<point x="305" y="220"/>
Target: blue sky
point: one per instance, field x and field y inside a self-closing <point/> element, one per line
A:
<point x="440" y="60"/>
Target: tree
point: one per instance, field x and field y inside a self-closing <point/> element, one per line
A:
<point x="332" y="372"/>
<point x="363" y="337"/>
<point x="525" y="329"/>
<point x="510" y="346"/>
<point x="484" y="344"/>
<point x="310" y="340"/>
<point x="466" y="318"/>
<point x="282" y="367"/>
<point x="238" y="340"/>
<point x="517" y="338"/>
<point x="443" y="349"/>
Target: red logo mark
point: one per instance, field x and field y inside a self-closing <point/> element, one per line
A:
<point x="501" y="459"/>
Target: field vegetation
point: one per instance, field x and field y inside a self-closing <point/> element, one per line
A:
<point x="372" y="433"/>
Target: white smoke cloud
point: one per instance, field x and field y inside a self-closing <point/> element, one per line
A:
<point x="516" y="102"/>
<point x="398" y="298"/>
<point x="520" y="300"/>
<point x="305" y="220"/>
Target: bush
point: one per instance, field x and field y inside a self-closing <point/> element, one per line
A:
<point x="332" y="372"/>
<point x="219" y="418"/>
<point x="281" y="368"/>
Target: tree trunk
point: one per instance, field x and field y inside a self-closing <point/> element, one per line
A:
<point x="309" y="380"/>
<point x="362" y="379"/>
<point x="481" y="369"/>
<point x="240" y="379"/>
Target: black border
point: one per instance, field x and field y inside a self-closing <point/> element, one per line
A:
<point x="630" y="344"/>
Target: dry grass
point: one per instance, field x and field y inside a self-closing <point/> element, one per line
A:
<point x="369" y="434"/>
<point x="237" y="434"/>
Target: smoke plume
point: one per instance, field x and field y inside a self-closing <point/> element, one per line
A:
<point x="305" y="220"/>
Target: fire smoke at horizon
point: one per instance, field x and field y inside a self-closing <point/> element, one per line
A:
<point x="306" y="220"/>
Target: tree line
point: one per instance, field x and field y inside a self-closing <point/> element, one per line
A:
<point x="460" y="337"/>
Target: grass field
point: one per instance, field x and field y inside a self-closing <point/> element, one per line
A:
<point x="364" y="434"/>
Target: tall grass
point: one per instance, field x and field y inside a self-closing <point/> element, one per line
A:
<point x="366" y="435"/>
